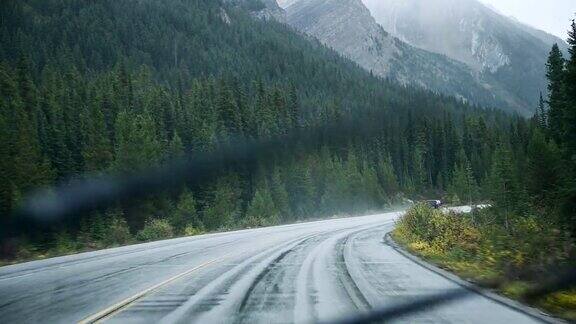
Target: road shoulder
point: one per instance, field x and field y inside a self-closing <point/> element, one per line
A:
<point x="507" y="302"/>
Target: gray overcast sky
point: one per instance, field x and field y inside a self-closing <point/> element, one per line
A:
<point x="553" y="16"/>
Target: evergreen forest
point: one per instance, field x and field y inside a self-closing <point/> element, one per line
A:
<point x="98" y="87"/>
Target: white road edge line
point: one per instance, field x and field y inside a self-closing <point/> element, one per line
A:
<point x="124" y="303"/>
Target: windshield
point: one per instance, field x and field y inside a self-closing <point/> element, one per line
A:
<point x="294" y="161"/>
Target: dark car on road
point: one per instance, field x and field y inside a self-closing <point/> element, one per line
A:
<point x="434" y="203"/>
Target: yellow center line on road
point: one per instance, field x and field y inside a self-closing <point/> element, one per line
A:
<point x="116" y="308"/>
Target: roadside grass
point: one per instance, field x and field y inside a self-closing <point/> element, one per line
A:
<point x="490" y="255"/>
<point x="99" y="235"/>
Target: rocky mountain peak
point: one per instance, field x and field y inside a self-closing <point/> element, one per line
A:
<point x="349" y="27"/>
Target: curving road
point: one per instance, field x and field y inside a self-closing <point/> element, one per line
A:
<point x="306" y="272"/>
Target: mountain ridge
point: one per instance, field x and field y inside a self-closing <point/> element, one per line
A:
<point x="348" y="27"/>
<point x="504" y="51"/>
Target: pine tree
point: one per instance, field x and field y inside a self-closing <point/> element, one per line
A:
<point x="543" y="172"/>
<point x="115" y="228"/>
<point x="97" y="149"/>
<point x="55" y="132"/>
<point x="503" y="184"/>
<point x="74" y="104"/>
<point x="241" y="95"/>
<point x="556" y="100"/>
<point x="373" y="197"/>
<point x="280" y="196"/>
<point x="542" y="114"/>
<point x="136" y="143"/>
<point x="570" y="90"/>
<point x="261" y="210"/>
<point x="223" y="207"/>
<point x="202" y="119"/>
<point x="26" y="88"/>
<point x="31" y="168"/>
<point x="336" y="191"/>
<point x="464" y="187"/>
<point x="6" y="170"/>
<point x="186" y="213"/>
<point x="569" y="190"/>
<point x="387" y="176"/>
<point x="279" y="112"/>
<point x="418" y="171"/>
<point x="124" y="88"/>
<point x="301" y="190"/>
<point x="229" y="113"/>
<point x="293" y="108"/>
<point x="175" y="148"/>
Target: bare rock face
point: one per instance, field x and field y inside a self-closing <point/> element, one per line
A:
<point x="262" y="9"/>
<point x="225" y="17"/>
<point x="271" y="11"/>
<point x="348" y="27"/>
<point x="455" y="28"/>
<point x="501" y="50"/>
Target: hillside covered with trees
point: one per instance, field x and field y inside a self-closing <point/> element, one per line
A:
<point x="89" y="87"/>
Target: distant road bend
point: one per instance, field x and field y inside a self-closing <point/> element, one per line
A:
<point x="301" y="273"/>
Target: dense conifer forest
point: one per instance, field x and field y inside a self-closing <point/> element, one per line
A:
<point x="89" y="87"/>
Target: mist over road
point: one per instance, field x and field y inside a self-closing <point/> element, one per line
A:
<point x="301" y="273"/>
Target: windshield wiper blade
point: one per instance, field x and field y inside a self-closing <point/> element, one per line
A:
<point x="405" y="309"/>
<point x="566" y="280"/>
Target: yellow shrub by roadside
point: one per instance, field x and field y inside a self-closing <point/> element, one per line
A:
<point x="481" y="249"/>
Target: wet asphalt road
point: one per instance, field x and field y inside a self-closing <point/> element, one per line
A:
<point x="300" y="273"/>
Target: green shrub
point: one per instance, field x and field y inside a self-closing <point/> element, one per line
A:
<point x="63" y="243"/>
<point x="190" y="230"/>
<point x="261" y="211"/>
<point x="517" y="254"/>
<point x="156" y="229"/>
<point x="255" y="221"/>
<point x="185" y="214"/>
<point x="26" y="250"/>
<point x="441" y="232"/>
<point x="118" y="232"/>
<point x="563" y="302"/>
